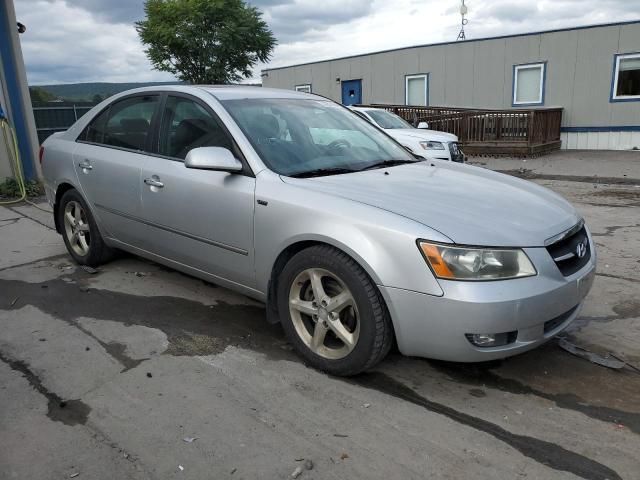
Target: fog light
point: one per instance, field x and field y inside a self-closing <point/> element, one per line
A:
<point x="485" y="340"/>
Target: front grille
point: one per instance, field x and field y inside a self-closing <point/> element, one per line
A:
<point x="566" y="252"/>
<point x="551" y="325"/>
<point x="456" y="153"/>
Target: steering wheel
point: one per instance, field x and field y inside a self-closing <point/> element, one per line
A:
<point x="339" y="144"/>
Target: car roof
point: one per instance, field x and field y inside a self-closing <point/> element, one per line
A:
<point x="228" y="92"/>
<point x="233" y="92"/>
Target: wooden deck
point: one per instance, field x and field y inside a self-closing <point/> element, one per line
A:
<point x="517" y="132"/>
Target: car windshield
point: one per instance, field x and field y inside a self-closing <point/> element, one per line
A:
<point x="388" y="120"/>
<point x="295" y="137"/>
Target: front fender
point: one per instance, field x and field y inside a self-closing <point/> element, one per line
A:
<point x="383" y="243"/>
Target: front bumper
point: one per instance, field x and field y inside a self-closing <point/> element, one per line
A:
<point x="537" y="308"/>
<point x="452" y="152"/>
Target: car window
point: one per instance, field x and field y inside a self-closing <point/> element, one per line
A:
<point x="388" y="120"/>
<point x="94" y="132"/>
<point x="361" y="115"/>
<point x="327" y="136"/>
<point x="128" y="124"/>
<point x="187" y="125"/>
<point x="293" y="136"/>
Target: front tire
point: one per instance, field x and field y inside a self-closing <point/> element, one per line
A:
<point x="80" y="231"/>
<point x="332" y="313"/>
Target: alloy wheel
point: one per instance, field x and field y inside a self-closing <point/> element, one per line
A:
<point x="76" y="228"/>
<point x="324" y="313"/>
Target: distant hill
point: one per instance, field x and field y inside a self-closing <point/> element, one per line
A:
<point x="86" y="92"/>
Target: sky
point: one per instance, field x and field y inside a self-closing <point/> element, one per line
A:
<point x="70" y="41"/>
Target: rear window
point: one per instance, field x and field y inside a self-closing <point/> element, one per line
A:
<point x="129" y="124"/>
<point x="125" y="124"/>
<point x="94" y="132"/>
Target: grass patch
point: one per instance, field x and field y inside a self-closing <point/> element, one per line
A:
<point x="11" y="189"/>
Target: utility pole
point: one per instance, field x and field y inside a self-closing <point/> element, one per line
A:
<point x="463" y="13"/>
<point x="14" y="92"/>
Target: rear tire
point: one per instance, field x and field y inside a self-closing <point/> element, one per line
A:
<point x="332" y="312"/>
<point x="80" y="231"/>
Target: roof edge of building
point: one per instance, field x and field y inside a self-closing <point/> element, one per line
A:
<point x="438" y="44"/>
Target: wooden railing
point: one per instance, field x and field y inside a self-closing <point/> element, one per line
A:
<point x="521" y="132"/>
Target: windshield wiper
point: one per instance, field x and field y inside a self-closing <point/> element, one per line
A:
<point x="388" y="163"/>
<point x="321" y="172"/>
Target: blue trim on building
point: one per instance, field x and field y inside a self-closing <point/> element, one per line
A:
<point x="615" y="128"/>
<point x="484" y="39"/>
<point x="14" y="92"/>
<point x="544" y="84"/>
<point x="613" y="80"/>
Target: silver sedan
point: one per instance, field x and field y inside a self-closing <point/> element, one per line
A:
<point x="351" y="241"/>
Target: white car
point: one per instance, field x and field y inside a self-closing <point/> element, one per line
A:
<point x="429" y="144"/>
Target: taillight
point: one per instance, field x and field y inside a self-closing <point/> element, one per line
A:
<point x="41" y="154"/>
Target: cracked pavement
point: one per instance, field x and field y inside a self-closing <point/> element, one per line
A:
<point x="107" y="374"/>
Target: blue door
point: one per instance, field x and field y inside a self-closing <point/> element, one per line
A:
<point x="351" y="92"/>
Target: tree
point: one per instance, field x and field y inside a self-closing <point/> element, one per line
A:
<point x="97" y="98"/>
<point x="40" y="95"/>
<point x="205" y="41"/>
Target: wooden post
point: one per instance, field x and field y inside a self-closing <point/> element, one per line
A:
<point x="463" y="129"/>
<point x="531" y="117"/>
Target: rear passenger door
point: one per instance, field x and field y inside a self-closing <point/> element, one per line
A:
<point x="108" y="160"/>
<point x="200" y="218"/>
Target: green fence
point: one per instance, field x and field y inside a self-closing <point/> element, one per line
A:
<point x="57" y="117"/>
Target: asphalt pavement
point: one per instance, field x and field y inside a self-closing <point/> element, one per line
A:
<point x="137" y="371"/>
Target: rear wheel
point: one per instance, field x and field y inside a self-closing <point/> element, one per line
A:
<point x="80" y="232"/>
<point x="332" y="312"/>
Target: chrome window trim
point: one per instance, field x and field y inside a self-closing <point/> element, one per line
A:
<point x="567" y="233"/>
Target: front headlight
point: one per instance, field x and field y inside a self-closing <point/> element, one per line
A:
<point x="432" y="145"/>
<point x="469" y="263"/>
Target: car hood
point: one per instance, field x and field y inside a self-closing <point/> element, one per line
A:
<point x="421" y="134"/>
<point x="470" y="205"/>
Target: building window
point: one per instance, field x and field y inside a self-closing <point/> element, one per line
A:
<point x="306" y="88"/>
<point x="626" y="77"/>
<point x="416" y="90"/>
<point x="528" y="84"/>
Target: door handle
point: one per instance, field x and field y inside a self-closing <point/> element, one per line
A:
<point x="85" y="165"/>
<point x="152" y="182"/>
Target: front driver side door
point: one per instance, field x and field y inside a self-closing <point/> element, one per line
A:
<point x="200" y="218"/>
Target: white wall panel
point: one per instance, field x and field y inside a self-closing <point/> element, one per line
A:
<point x="600" y="140"/>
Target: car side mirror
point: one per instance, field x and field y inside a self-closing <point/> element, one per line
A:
<point x="212" y="158"/>
<point x="424" y="125"/>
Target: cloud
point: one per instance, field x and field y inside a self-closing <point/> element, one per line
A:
<point x="109" y="11"/>
<point x="291" y="20"/>
<point x="262" y="4"/>
<point x="95" y="40"/>
<point x="116" y="11"/>
<point x="508" y="17"/>
<point x="66" y="44"/>
<point x="129" y="11"/>
<point x="506" y="12"/>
